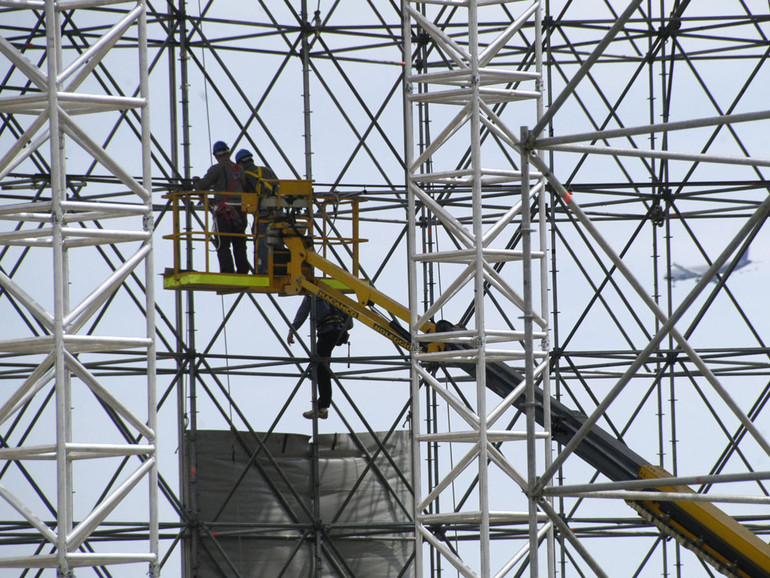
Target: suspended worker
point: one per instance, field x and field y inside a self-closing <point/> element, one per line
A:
<point x="229" y="219"/>
<point x="260" y="180"/>
<point x="332" y="329"/>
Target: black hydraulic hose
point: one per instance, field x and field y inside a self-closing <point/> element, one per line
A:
<point x="614" y="459"/>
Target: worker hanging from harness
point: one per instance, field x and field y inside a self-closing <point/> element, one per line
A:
<point x="333" y="326"/>
<point x="229" y="219"/>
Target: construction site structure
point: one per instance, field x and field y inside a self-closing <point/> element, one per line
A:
<point x="500" y="190"/>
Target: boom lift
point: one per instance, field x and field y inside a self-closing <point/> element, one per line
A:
<point x="297" y="268"/>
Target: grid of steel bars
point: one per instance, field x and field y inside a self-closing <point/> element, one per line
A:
<point x="661" y="76"/>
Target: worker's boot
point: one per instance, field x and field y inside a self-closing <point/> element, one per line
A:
<point x="323" y="413"/>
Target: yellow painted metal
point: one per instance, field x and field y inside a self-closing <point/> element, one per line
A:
<point x="366" y="295"/>
<point x="355" y="309"/>
<point x="305" y="271"/>
<point x="203" y="281"/>
<point x="229" y="283"/>
<point x="250" y="202"/>
<point x="290" y="213"/>
<point x="726" y="528"/>
<point x="296" y="187"/>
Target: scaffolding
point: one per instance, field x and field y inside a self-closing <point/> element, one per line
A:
<point x="457" y="83"/>
<point x="79" y="448"/>
<point x="601" y="152"/>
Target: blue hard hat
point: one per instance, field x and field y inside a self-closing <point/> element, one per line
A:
<point x="220" y="147"/>
<point x="242" y="154"/>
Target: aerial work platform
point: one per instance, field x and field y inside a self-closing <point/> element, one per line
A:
<point x="293" y="210"/>
<point x="301" y="231"/>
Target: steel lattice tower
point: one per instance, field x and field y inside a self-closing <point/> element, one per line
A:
<point x="643" y="145"/>
<point x="61" y="409"/>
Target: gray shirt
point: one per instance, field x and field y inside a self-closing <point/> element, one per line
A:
<point x="222" y="177"/>
<point x="337" y="320"/>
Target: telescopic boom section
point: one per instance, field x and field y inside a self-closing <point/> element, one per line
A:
<point x="700" y="526"/>
<point x="360" y="308"/>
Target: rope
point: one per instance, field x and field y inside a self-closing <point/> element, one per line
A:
<point x="205" y="83"/>
<point x="213" y="248"/>
<point x="448" y="411"/>
<point x="233" y="465"/>
<point x="438" y="267"/>
<point x="227" y="360"/>
<point x="222" y="298"/>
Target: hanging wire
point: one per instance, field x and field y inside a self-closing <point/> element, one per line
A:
<point x="448" y="412"/>
<point x="227" y="362"/>
<point x="205" y="82"/>
<point x="208" y="120"/>
<point x="222" y="297"/>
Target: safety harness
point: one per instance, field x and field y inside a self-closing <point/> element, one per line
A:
<point x="269" y="187"/>
<point x="338" y="321"/>
<point x="226" y="210"/>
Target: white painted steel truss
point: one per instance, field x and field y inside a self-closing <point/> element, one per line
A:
<point x="68" y="300"/>
<point x="469" y="97"/>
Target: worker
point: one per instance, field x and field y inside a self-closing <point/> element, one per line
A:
<point x="332" y="329"/>
<point x="260" y="180"/>
<point x="229" y="219"/>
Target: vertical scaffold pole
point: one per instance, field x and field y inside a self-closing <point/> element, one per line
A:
<point x="412" y="287"/>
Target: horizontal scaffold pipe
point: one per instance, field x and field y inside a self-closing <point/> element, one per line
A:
<point x="467" y="174"/>
<point x="74" y="560"/>
<point x="493" y="436"/>
<point x="468" y="335"/>
<point x="658" y="154"/>
<point x="74" y="211"/>
<point x="657" y="482"/>
<point x="469" y="255"/>
<point x="674" y="497"/>
<point x="474" y="517"/>
<point x="74" y="344"/>
<point x="462" y="96"/>
<point x="75" y="451"/>
<point x="651" y="128"/>
<point x="73" y="237"/>
<point x="472" y="355"/>
<point x="486" y="77"/>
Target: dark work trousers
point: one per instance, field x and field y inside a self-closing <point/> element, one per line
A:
<point x="224" y="242"/>
<point x="326" y="342"/>
<point x="262" y="250"/>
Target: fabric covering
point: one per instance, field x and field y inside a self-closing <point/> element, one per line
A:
<point x="255" y="505"/>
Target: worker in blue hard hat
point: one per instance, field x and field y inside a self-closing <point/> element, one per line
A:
<point x="227" y="180"/>
<point x="260" y="180"/>
<point x="332" y="328"/>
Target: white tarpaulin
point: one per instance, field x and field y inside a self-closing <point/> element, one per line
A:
<point x="256" y="508"/>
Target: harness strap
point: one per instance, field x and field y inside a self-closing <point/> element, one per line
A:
<point x="333" y="319"/>
<point x="235" y="172"/>
<point x="258" y="176"/>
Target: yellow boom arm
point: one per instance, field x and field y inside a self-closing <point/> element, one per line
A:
<point x="304" y="261"/>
